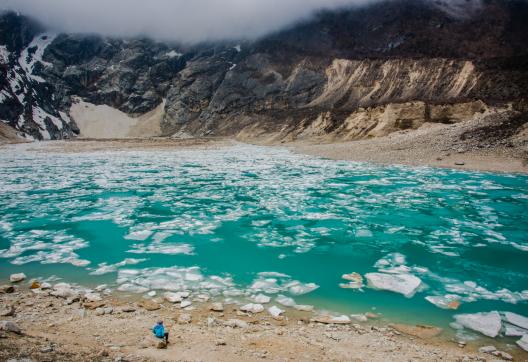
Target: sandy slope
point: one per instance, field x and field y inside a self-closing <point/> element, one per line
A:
<point x="104" y="122"/>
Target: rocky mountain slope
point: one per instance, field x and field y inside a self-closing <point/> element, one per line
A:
<point x="351" y="74"/>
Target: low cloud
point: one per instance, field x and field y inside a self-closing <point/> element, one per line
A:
<point x="180" y="20"/>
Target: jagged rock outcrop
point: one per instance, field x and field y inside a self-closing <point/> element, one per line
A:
<point x="353" y="73"/>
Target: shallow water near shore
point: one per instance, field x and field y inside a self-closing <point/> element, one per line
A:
<point x="238" y="221"/>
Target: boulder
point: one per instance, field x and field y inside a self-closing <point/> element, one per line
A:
<point x="217" y="307"/>
<point x="63" y="290"/>
<point x="149" y="305"/>
<point x="487" y="349"/>
<point x="8" y="326"/>
<point x="184" y="318"/>
<point x="108" y="310"/>
<point x="17" y="278"/>
<point x="489" y="324"/>
<point x="252" y="308"/>
<point x="7" y="289"/>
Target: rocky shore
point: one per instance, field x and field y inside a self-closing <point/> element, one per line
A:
<point x="44" y="322"/>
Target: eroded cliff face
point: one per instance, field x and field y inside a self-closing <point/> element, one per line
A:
<point x="348" y="75"/>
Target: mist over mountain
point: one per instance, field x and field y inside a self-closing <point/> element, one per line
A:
<point x="190" y="21"/>
<point x="317" y="75"/>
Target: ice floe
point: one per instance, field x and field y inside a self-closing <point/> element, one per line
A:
<point x="489" y="324"/>
<point x="516" y="319"/>
<point x="275" y="311"/>
<point x="405" y="284"/>
<point x="523" y="342"/>
<point x="104" y="268"/>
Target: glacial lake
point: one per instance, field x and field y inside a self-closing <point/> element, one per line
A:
<point x="244" y="220"/>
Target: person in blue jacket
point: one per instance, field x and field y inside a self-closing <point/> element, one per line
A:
<point x="159" y="331"/>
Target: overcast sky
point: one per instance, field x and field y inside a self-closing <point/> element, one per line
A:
<point x="182" y="20"/>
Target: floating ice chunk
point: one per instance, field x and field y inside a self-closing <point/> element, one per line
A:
<point x="162" y="248"/>
<point x="104" y="268"/>
<point x="516" y="319"/>
<point x="405" y="284"/>
<point x="299" y="288"/>
<point x="252" y="308"/>
<point x="266" y="285"/>
<point x="449" y="301"/>
<point x="275" y="311"/>
<point x="489" y="324"/>
<point x="140" y="235"/>
<point x="285" y="301"/>
<point x="132" y="288"/>
<point x="304" y="307"/>
<point x="261" y="299"/>
<point x="152" y="293"/>
<point x="523" y="342"/>
<point x="185" y="304"/>
<point x="514" y="331"/>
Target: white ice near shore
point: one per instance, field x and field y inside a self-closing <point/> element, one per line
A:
<point x="261" y="299"/>
<point x="275" y="311"/>
<point x="405" y="284"/>
<point x="172" y="279"/>
<point x="273" y="283"/>
<point x="516" y="319"/>
<point x="162" y="248"/>
<point x="488" y="324"/>
<point x="523" y="342"/>
<point x="104" y="268"/>
<point x="252" y="308"/>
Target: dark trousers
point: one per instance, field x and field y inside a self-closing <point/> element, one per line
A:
<point x="167" y="337"/>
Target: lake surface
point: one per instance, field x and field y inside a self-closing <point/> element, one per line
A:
<point x="245" y="220"/>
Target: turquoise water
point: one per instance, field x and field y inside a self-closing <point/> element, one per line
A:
<point x="211" y="221"/>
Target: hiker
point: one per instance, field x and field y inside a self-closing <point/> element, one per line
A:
<point x="159" y="331"/>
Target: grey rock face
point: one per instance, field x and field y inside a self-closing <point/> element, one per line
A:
<point x="392" y="52"/>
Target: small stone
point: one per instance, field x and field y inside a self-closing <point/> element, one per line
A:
<point x="8" y="326"/>
<point x="503" y="355"/>
<point x="93" y="305"/>
<point x="184" y="318"/>
<point x="487" y="349"/>
<point x="128" y="309"/>
<point x="35" y="285"/>
<point x="161" y="344"/>
<point x="185" y="304"/>
<point x="371" y="315"/>
<point x="47" y="349"/>
<point x="9" y="311"/>
<point x="99" y="311"/>
<point x="220" y="342"/>
<point x="459" y="163"/>
<point x="236" y="323"/>
<point x="7" y="289"/>
<point x="108" y="310"/>
<point x="16" y="278"/>
<point x="217" y="307"/>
